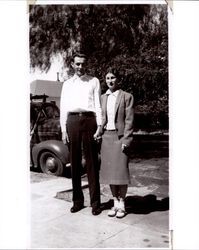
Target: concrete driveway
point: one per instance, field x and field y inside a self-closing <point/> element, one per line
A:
<point x="145" y="225"/>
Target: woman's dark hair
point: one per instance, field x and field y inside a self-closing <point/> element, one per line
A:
<point x="114" y="71"/>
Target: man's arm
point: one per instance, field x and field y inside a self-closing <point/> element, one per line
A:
<point x="65" y="137"/>
<point x="98" y="110"/>
<point x="64" y="113"/>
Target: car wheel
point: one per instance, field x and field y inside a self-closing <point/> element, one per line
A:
<point x="51" y="164"/>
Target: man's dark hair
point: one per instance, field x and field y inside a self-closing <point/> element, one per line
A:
<point x="78" y="54"/>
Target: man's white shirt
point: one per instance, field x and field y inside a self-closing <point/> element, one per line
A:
<point x="80" y="94"/>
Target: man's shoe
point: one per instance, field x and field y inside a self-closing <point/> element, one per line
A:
<point x="96" y="211"/>
<point x="76" y="208"/>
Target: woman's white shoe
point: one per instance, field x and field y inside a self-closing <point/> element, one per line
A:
<point x="112" y="212"/>
<point x="120" y="213"/>
<point x="121" y="209"/>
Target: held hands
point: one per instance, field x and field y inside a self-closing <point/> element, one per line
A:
<point x="124" y="147"/>
<point x="97" y="134"/>
<point x="65" y="137"/>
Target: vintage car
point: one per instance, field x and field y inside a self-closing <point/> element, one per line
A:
<point x="47" y="152"/>
<point x="51" y="156"/>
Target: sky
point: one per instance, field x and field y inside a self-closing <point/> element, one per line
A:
<point x="56" y="67"/>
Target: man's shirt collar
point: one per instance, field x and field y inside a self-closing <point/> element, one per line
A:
<point x="83" y="77"/>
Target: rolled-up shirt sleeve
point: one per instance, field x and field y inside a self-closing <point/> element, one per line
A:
<point x="63" y="107"/>
<point x="97" y="95"/>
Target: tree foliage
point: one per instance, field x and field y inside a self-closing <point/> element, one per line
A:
<point x="133" y="38"/>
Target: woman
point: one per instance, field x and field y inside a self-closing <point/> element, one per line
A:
<point x="117" y="135"/>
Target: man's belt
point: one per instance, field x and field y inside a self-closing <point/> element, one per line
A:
<point x="83" y="113"/>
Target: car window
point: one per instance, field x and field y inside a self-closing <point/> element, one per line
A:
<point x="52" y="111"/>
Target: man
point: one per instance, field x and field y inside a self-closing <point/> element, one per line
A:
<point x="80" y="118"/>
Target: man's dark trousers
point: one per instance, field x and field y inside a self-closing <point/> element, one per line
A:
<point x="81" y="128"/>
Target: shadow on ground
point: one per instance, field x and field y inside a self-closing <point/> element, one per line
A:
<point x="134" y="204"/>
<point x="141" y="204"/>
<point x="148" y="191"/>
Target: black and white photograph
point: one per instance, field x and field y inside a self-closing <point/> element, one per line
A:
<point x="99" y="128"/>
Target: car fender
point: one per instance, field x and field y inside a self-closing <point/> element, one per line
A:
<point x="55" y="146"/>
